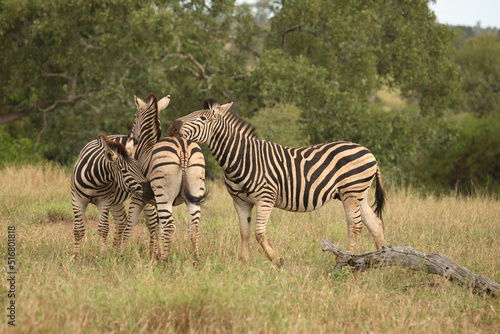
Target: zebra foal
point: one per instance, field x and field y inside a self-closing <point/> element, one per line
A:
<point x="176" y="169"/>
<point x="266" y="175"/>
<point x="104" y="175"/>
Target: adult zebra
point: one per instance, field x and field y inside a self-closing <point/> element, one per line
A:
<point x="104" y="175"/>
<point x="176" y="169"/>
<point x="266" y="175"/>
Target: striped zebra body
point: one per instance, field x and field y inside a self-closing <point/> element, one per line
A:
<point x="266" y="175"/>
<point x="176" y="170"/>
<point x="105" y="176"/>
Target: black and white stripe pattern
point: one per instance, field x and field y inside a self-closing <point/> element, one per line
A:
<point x="266" y="175"/>
<point x="176" y="169"/>
<point x="105" y="176"/>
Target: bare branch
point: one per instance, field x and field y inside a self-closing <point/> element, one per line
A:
<point x="89" y="46"/>
<point x="407" y="257"/>
<point x="239" y="76"/>
<point x="291" y="29"/>
<point x="123" y="78"/>
<point x="71" y="80"/>
<point x="190" y="70"/>
<point x="201" y="70"/>
<point x="286" y="32"/>
<point x="71" y="99"/>
<point x="190" y="41"/>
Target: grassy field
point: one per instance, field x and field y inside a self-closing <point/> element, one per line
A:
<point x="129" y="294"/>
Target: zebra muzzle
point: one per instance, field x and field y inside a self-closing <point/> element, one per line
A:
<point x="174" y="129"/>
<point x="147" y="192"/>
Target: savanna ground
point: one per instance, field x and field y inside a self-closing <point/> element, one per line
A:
<point x="130" y="294"/>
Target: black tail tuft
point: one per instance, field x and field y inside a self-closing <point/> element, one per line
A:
<point x="194" y="199"/>
<point x="380" y="196"/>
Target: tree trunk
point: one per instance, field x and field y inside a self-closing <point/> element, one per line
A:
<point x="407" y="257"/>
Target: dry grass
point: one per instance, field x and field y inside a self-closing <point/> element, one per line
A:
<point x="129" y="294"/>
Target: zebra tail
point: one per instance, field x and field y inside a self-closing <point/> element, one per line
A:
<point x="188" y="197"/>
<point x="195" y="199"/>
<point x="380" y="196"/>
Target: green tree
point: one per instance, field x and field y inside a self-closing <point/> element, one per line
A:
<point x="349" y="50"/>
<point x="479" y="60"/>
<point x="69" y="69"/>
<point x="281" y="124"/>
<point x="468" y="158"/>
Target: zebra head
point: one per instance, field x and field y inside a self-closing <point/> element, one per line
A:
<point x="199" y="126"/>
<point x="147" y="125"/>
<point x="126" y="171"/>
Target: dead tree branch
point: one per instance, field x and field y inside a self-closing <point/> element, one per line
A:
<point x="201" y="70"/>
<point x="407" y="257"/>
<point x="286" y="32"/>
<point x="71" y="99"/>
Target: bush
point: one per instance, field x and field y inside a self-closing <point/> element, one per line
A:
<point x="479" y="60"/>
<point x="18" y="150"/>
<point x="281" y="124"/>
<point x="467" y="161"/>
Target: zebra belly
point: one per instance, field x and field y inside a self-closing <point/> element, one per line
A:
<point x="302" y="203"/>
<point x="292" y="202"/>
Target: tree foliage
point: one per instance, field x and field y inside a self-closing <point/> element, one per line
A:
<point x="479" y="59"/>
<point x="74" y="67"/>
<point x="364" y="45"/>
<point x="468" y="158"/>
<point x="302" y="72"/>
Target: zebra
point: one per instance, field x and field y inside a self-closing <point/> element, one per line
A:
<point x="265" y="175"/>
<point x="176" y="169"/>
<point x="105" y="175"/>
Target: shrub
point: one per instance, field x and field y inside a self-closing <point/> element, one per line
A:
<point x="467" y="161"/>
<point x="18" y="150"/>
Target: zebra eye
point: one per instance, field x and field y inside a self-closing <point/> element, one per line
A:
<point x="203" y="118"/>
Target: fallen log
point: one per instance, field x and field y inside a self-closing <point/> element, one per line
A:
<point x="407" y="257"/>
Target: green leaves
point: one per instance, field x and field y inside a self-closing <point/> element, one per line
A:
<point x="74" y="67"/>
<point x="479" y="60"/>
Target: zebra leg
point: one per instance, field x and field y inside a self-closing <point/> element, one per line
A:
<point x="263" y="211"/>
<point x="79" y="228"/>
<point x="103" y="227"/>
<point x="151" y="222"/>
<point x="244" y="211"/>
<point x="194" y="230"/>
<point x="352" y="210"/>
<point x="166" y="227"/>
<point x="135" y="209"/>
<point x="120" y="216"/>
<point x="372" y="223"/>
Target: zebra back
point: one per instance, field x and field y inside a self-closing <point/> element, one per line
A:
<point x="299" y="178"/>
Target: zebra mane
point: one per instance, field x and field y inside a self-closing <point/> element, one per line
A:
<point x="235" y="121"/>
<point x="211" y="103"/>
<point x="150" y="99"/>
<point x="240" y="125"/>
<point x="117" y="146"/>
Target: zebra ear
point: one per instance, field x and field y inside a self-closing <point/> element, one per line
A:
<point x="163" y="103"/>
<point x="101" y="141"/>
<point x="109" y="153"/>
<point x="221" y="110"/>
<point x="130" y="147"/>
<point x="139" y="104"/>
